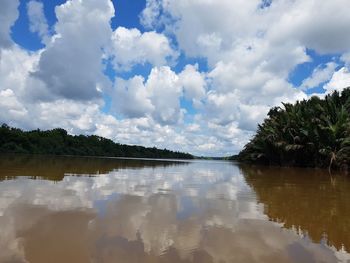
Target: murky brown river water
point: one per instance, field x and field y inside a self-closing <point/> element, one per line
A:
<point x="66" y="209"/>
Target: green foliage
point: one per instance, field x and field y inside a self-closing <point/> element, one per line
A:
<point x="59" y="142"/>
<point x="310" y="133"/>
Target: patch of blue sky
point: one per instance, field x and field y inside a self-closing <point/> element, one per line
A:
<point x="316" y="90"/>
<point x="127" y="14"/>
<point x="183" y="61"/>
<point x="137" y="70"/>
<point x="20" y="30"/>
<point x="107" y="103"/>
<point x="49" y="10"/>
<point x="108" y="69"/>
<point x="304" y="70"/>
<point x="190" y="110"/>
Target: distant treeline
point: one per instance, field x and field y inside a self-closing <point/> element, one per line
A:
<point x="309" y="133"/>
<point x="59" y="142"/>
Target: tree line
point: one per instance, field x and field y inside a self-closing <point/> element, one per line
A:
<point x="309" y="133"/>
<point x="59" y="142"/>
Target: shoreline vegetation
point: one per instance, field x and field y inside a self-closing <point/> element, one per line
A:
<point x="59" y="142"/>
<point x="309" y="133"/>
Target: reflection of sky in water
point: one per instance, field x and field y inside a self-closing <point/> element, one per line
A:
<point x="203" y="211"/>
<point x="198" y="180"/>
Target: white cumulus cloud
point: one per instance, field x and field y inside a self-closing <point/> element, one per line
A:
<point x="339" y="81"/>
<point x="71" y="65"/>
<point x="131" y="47"/>
<point x="319" y="75"/>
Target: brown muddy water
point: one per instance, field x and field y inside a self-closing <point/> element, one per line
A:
<point x="68" y="209"/>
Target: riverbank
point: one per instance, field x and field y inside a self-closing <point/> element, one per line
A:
<point x="309" y="133"/>
<point x="59" y="142"/>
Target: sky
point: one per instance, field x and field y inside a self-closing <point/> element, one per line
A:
<point x="189" y="75"/>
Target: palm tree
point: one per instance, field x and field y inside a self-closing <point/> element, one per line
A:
<point x="314" y="132"/>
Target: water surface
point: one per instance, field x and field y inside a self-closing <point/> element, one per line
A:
<point x="68" y="209"/>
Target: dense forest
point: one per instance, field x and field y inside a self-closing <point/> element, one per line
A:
<point x="309" y="133"/>
<point x="59" y="142"/>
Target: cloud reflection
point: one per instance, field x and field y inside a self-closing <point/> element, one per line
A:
<point x="200" y="212"/>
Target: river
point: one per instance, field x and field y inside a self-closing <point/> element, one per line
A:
<point x="70" y="209"/>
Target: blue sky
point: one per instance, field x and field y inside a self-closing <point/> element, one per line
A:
<point x="187" y="75"/>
